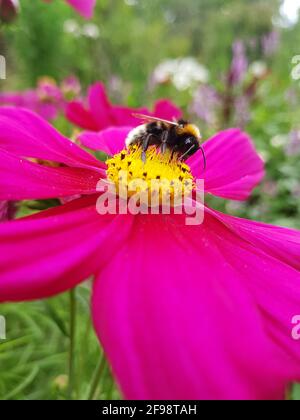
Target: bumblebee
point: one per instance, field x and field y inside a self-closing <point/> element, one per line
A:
<point x="182" y="138"/>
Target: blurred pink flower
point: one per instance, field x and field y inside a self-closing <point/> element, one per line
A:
<point x="47" y="99"/>
<point x="183" y="312"/>
<point x="84" y="7"/>
<point x="8" y="10"/>
<point x="97" y="113"/>
<point x="70" y="88"/>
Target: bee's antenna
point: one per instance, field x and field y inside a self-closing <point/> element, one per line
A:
<point x="204" y="158"/>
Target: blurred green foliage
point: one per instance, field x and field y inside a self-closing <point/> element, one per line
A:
<point x="134" y="37"/>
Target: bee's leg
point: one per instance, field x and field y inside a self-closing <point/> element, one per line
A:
<point x="145" y="146"/>
<point x="164" y="140"/>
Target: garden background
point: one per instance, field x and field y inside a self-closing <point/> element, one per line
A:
<point x="226" y="63"/>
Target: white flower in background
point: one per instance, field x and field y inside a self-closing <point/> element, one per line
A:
<point x="278" y="141"/>
<point x="182" y="72"/>
<point x="90" y="30"/>
<point x="72" y="27"/>
<point x="131" y="2"/>
<point x="258" y="69"/>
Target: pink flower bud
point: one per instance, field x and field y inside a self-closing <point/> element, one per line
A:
<point x="8" y="10"/>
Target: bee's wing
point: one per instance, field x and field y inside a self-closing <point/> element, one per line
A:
<point x="152" y="119"/>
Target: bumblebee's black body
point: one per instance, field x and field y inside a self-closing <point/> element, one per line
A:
<point x="181" y="137"/>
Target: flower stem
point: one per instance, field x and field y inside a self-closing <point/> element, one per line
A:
<point x="73" y="305"/>
<point x="96" y="378"/>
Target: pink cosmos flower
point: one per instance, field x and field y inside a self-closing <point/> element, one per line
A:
<point x="47" y="99"/>
<point x="183" y="312"/>
<point x="99" y="113"/>
<point x="84" y="7"/>
<point x="30" y="100"/>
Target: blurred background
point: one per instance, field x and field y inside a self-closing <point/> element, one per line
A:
<point x="225" y="63"/>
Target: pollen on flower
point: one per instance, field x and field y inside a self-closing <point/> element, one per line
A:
<point x="161" y="175"/>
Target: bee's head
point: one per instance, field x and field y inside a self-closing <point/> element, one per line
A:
<point x="186" y="129"/>
<point x="188" y="146"/>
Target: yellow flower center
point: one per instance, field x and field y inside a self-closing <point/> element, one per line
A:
<point x="160" y="176"/>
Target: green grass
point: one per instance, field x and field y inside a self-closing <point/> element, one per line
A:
<point x="34" y="359"/>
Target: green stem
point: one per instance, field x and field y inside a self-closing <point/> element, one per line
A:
<point x="96" y="378"/>
<point x="73" y="305"/>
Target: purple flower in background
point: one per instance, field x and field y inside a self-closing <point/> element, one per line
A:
<point x="8" y="10"/>
<point x="205" y="104"/>
<point x="239" y="65"/>
<point x="270" y="43"/>
<point x="293" y="146"/>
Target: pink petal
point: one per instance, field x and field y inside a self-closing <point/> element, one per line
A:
<point x="233" y="166"/>
<point x="123" y="116"/>
<point x="101" y="114"/>
<point x="21" y="179"/>
<point x="269" y="261"/>
<point x="27" y="135"/>
<point x="4" y="210"/>
<point x="165" y="109"/>
<point x="99" y="106"/>
<point x="278" y="242"/>
<point x="84" y="7"/>
<point x="177" y="321"/>
<point x="78" y="115"/>
<point x="53" y="251"/>
<point x="110" y="140"/>
<point x="97" y="116"/>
